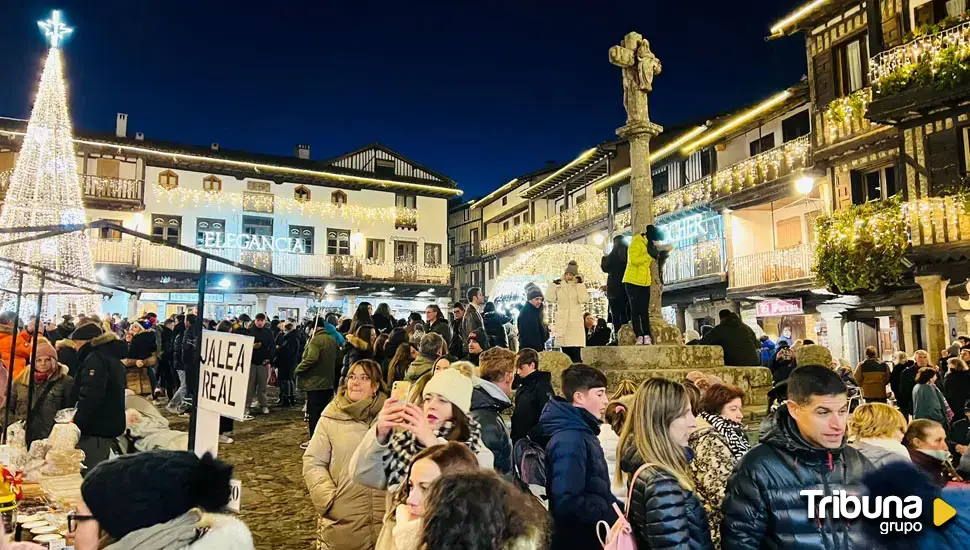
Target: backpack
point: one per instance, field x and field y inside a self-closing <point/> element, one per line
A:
<point x="529" y="469"/>
<point x="620" y="536"/>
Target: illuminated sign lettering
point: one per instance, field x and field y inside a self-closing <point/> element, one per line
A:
<point x="695" y="226"/>
<point x="262" y="243"/>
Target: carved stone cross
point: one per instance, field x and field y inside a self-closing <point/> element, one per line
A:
<point x="639" y="66"/>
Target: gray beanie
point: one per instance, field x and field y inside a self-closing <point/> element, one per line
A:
<point x="533" y="291"/>
<point x="572" y="267"/>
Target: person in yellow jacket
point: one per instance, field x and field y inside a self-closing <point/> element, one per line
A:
<point x="637" y="280"/>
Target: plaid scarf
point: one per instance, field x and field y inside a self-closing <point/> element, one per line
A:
<point x="732" y="432"/>
<point x="404" y="446"/>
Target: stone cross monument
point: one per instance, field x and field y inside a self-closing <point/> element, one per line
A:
<point x="639" y="66"/>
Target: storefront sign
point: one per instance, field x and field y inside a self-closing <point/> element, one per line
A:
<point x="696" y="226"/>
<point x="264" y="243"/>
<point x="154" y="297"/>
<point x="193" y="297"/>
<point x="224" y="373"/>
<point x="775" y="308"/>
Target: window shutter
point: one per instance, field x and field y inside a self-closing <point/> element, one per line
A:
<point x="109" y="168"/>
<point x="943" y="160"/>
<point x="858" y="195"/>
<point x="824" y="78"/>
<point x="843" y="190"/>
<point x="892" y="31"/>
<point x="789" y="232"/>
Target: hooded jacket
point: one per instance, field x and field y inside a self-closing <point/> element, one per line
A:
<point x="495" y="328"/>
<point x="738" y="341"/>
<point x="56" y="391"/>
<point x="21" y="353"/>
<point x="354" y="350"/>
<point x="318" y="367"/>
<point x="488" y="404"/>
<point x="442" y="328"/>
<point x="762" y="505"/>
<point x="532" y="395"/>
<point x="533" y="333"/>
<point x="662" y="513"/>
<point x="956" y="390"/>
<point x="872" y="376"/>
<point x="351" y="515"/>
<point x="578" y="479"/>
<point x="614" y="265"/>
<point x="99" y="388"/>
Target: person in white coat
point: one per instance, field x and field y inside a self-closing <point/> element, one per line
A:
<point x="570" y="296"/>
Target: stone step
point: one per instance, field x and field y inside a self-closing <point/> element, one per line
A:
<point x="654" y="357"/>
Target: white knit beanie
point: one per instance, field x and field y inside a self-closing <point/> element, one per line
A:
<point x="453" y="386"/>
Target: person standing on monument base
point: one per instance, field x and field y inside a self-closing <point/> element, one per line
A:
<point x="570" y="296"/>
<point x="614" y="265"/>
<point x="637" y="280"/>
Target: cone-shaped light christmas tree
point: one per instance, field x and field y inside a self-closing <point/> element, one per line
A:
<point x="45" y="190"/>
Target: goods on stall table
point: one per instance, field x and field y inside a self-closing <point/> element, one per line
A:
<point x="64" y="436"/>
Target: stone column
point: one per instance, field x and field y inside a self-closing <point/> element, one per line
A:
<point x="832" y="317"/>
<point x="682" y="317"/>
<point x="934" y="312"/>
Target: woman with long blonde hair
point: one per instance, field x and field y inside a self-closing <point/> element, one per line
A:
<point x="655" y="460"/>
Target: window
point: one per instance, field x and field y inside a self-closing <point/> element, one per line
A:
<point x="301" y="194"/>
<point x="339" y="198"/>
<point x="473" y="277"/>
<point x="525" y="217"/>
<point x="765" y="143"/>
<point x="255" y="225"/>
<point x="109" y="234"/>
<point x="168" y="179"/>
<point x="795" y="126"/>
<point x="475" y="239"/>
<point x="661" y="182"/>
<point x="623" y="196"/>
<point x="451" y="246"/>
<point x="505" y="225"/>
<point x="505" y="200"/>
<point x="406" y="252"/>
<point x="167" y="228"/>
<point x="109" y="168"/>
<point x="303" y="233"/>
<point x="516" y="221"/>
<point x="432" y="254"/>
<point x="873" y="185"/>
<point x="338" y="242"/>
<point x="384" y="168"/>
<point x="375" y="250"/>
<point x="851" y="66"/>
<point x="208" y="225"/>
<point x="211" y="183"/>
<point x="465" y="213"/>
<point x="580" y="200"/>
<point x="406" y="201"/>
<point x="789" y="232"/>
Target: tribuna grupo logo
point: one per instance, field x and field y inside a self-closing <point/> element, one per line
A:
<point x="899" y="514"/>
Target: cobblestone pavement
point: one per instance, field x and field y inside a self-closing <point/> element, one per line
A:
<point x="268" y="460"/>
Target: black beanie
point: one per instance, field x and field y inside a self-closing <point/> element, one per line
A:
<point x="87" y="331"/>
<point x="137" y="491"/>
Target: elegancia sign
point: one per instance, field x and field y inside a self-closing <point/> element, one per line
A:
<point x="263" y="243"/>
<point x="699" y="227"/>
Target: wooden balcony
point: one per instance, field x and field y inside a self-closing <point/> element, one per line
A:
<point x="143" y="255"/>
<point x="774" y="164"/>
<point x="937" y="221"/>
<point x="99" y="192"/>
<point x="591" y="211"/>
<point x="844" y="120"/>
<point x="696" y="260"/>
<point x="774" y="266"/>
<point x="923" y="74"/>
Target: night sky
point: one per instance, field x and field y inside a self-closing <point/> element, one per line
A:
<point x="479" y="92"/>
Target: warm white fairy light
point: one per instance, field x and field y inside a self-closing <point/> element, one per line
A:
<point x="590" y="210"/>
<point x="45" y="189"/>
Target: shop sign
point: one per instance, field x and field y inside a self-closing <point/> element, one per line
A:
<point x="224" y="373"/>
<point x="695" y="226"/>
<point x="154" y="297"/>
<point x="774" y="308"/>
<point x="263" y="243"/>
<point x="193" y="297"/>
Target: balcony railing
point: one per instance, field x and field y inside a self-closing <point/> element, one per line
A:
<point x="779" y="162"/>
<point x="845" y="118"/>
<point x="148" y="256"/>
<point x="696" y="260"/>
<point x="774" y="266"/>
<point x="937" y="220"/>
<point x="691" y="194"/>
<point x="467" y="251"/>
<point x="586" y="212"/>
<point x="98" y="191"/>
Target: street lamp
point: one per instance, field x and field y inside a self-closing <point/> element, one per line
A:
<point x="805" y="184"/>
<point x="225" y="283"/>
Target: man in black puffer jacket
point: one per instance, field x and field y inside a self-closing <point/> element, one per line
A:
<point x="803" y="448"/>
<point x="533" y="391"/>
<point x="490" y="398"/>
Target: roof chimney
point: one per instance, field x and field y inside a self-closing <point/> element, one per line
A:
<point x="140" y="136"/>
<point x="121" y="125"/>
<point x="214" y="146"/>
<point x="302" y="151"/>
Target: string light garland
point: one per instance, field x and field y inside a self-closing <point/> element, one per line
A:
<point x="267" y="202"/>
<point x="764" y="167"/>
<point x="581" y="158"/>
<point x="940" y="60"/>
<point x="587" y="211"/>
<point x="842" y="112"/>
<point x="778" y="29"/>
<point x="710" y="137"/>
<point x="45" y="189"/>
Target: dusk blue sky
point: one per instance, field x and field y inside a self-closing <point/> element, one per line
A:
<point x="480" y="91"/>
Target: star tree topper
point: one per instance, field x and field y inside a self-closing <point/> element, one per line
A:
<point x="54" y="29"/>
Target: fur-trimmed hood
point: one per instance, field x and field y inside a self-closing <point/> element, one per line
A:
<point x="107" y="343"/>
<point x="65" y="343"/>
<point x="357" y="342"/>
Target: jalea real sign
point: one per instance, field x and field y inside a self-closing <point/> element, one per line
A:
<point x="775" y="308"/>
<point x="224" y="373"/>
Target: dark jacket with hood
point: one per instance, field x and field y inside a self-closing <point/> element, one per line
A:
<point x="662" y="513"/>
<point x="762" y="505"/>
<point x="67" y="355"/>
<point x="533" y="392"/>
<point x="442" y="328"/>
<point x="738" y="341"/>
<point x="382" y="322"/>
<point x="956" y="390"/>
<point x="533" y="333"/>
<point x="354" y="350"/>
<point x="495" y="328"/>
<point x="488" y="403"/>
<point x="288" y="353"/>
<point x="578" y="479"/>
<point x="614" y="265"/>
<point x="142" y="345"/>
<point x="99" y="387"/>
<point x="905" y="383"/>
<point x="267" y="344"/>
<point x="318" y="367"/>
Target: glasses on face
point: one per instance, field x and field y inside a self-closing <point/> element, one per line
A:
<point x="358" y="378"/>
<point x="73" y="518"/>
